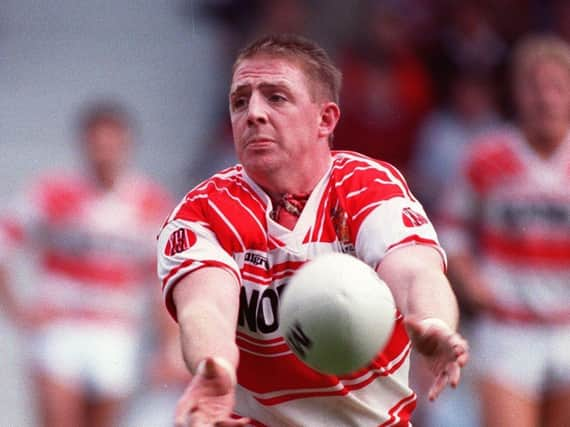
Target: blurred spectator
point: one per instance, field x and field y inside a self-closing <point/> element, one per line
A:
<point x="421" y="19"/>
<point x="506" y="228"/>
<point x="471" y="109"/>
<point x="93" y="232"/>
<point x="469" y="40"/>
<point x="242" y="20"/>
<point x="283" y="16"/>
<point x="386" y="89"/>
<point x="512" y="19"/>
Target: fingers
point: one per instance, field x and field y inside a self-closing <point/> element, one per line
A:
<point x="463" y="359"/>
<point x="184" y="407"/>
<point x="208" y="399"/>
<point x="460" y="349"/>
<point x="458" y="343"/>
<point x="198" y="419"/>
<point x="439" y="384"/>
<point x="454" y="372"/>
<point x="450" y="375"/>
<point x="447" y="359"/>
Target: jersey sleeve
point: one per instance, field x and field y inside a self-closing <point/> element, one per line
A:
<point x="395" y="223"/>
<point x="387" y="216"/>
<point x="188" y="243"/>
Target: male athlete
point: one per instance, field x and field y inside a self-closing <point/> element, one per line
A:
<point x="512" y="201"/>
<point x="91" y="233"/>
<point x="229" y="248"/>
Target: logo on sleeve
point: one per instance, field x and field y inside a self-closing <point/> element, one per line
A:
<point x="179" y="241"/>
<point x="413" y="219"/>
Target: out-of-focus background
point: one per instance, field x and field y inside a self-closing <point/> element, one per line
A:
<point x="421" y="78"/>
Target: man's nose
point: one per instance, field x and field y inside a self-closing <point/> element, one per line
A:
<point x="257" y="110"/>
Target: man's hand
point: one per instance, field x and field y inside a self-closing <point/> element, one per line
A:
<point x="209" y="398"/>
<point x="444" y="350"/>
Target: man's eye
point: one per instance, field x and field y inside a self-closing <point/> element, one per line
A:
<point x="277" y="98"/>
<point x="239" y="103"/>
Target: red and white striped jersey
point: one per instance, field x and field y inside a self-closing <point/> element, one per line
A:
<point x="512" y="208"/>
<point x="95" y="248"/>
<point x="361" y="206"/>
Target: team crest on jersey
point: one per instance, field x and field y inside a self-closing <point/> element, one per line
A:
<point x="413" y="219"/>
<point x="179" y="241"/>
<point x="340" y="222"/>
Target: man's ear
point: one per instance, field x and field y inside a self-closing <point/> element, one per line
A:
<point x="330" y="114"/>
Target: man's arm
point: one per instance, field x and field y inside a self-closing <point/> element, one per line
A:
<point x="207" y="304"/>
<point x="8" y="301"/>
<point x="415" y="276"/>
<point x="423" y="294"/>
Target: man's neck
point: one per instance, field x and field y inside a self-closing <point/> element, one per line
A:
<point x="295" y="181"/>
<point x="106" y="181"/>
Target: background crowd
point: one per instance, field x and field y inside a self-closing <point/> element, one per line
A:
<point x="421" y="80"/>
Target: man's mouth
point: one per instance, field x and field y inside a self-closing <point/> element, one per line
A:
<point x="259" y="141"/>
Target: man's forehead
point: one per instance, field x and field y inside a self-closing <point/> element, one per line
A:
<point x="540" y="66"/>
<point x="266" y="69"/>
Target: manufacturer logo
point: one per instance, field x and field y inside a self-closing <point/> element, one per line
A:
<point x="179" y="241"/>
<point x="413" y="219"/>
<point x="256" y="259"/>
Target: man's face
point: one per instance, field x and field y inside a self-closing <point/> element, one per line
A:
<point x="107" y="150"/>
<point x="542" y="94"/>
<point x="274" y="116"/>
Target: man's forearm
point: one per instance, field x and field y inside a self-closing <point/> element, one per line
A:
<point x="430" y="296"/>
<point x="207" y="304"/>
<point x="204" y="333"/>
<point x="420" y="288"/>
<point x="8" y="301"/>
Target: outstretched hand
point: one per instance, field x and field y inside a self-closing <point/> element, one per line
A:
<point x="445" y="351"/>
<point x="209" y="398"/>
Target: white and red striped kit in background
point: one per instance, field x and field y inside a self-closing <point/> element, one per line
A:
<point x="361" y="206"/>
<point x="511" y="209"/>
<point x="95" y="248"/>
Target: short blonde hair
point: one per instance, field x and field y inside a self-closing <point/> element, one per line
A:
<point x="539" y="48"/>
<point x="314" y="60"/>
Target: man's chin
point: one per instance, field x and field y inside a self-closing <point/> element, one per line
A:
<point x="259" y="163"/>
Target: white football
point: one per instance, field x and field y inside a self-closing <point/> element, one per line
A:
<point x="336" y="314"/>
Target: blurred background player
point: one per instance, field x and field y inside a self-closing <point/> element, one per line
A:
<point x="507" y="231"/>
<point x="230" y="246"/>
<point x="92" y="231"/>
<point x="470" y="110"/>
